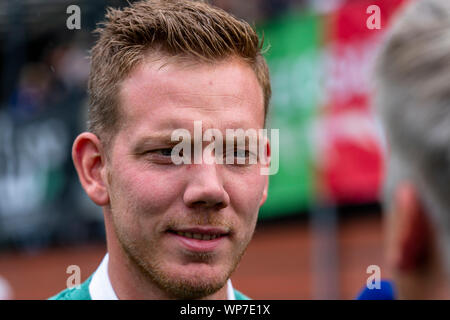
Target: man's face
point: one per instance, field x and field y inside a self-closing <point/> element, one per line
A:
<point x="157" y="206"/>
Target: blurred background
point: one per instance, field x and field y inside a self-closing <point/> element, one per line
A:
<point x="321" y="226"/>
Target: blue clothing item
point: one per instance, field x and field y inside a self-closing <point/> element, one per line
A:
<point x="385" y="292"/>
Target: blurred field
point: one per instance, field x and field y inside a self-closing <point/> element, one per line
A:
<point x="277" y="265"/>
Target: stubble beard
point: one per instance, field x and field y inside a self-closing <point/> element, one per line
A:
<point x="152" y="269"/>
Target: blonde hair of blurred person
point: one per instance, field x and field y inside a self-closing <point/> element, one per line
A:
<point x="413" y="98"/>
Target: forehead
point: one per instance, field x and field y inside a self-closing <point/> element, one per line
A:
<point x="158" y="96"/>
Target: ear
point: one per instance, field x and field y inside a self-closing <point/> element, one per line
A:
<point x="411" y="244"/>
<point x="266" y="187"/>
<point x="89" y="163"/>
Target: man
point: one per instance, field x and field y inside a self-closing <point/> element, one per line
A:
<point x="172" y="231"/>
<point x="413" y="97"/>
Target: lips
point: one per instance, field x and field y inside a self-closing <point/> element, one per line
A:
<point x="200" y="239"/>
<point x="198" y="236"/>
<point x="201" y="233"/>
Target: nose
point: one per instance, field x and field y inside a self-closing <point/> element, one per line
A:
<point x="205" y="188"/>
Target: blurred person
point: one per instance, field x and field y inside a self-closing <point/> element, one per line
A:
<point x="413" y="99"/>
<point x="172" y="231"/>
<point x="33" y="91"/>
<point x="70" y="65"/>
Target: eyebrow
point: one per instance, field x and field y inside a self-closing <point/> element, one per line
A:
<point x="148" y="141"/>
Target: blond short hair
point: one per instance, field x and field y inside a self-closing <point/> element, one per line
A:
<point x="174" y="28"/>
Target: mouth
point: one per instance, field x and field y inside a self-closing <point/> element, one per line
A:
<point x="200" y="239"/>
<point x="204" y="234"/>
<point x="198" y="236"/>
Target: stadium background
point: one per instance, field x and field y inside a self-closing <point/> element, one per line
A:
<point x="321" y="226"/>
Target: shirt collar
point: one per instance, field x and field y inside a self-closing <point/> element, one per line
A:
<point x="100" y="287"/>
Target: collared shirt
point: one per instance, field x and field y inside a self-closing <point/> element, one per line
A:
<point x="100" y="287"/>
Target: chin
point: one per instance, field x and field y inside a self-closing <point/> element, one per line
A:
<point x="200" y="272"/>
<point x="193" y="281"/>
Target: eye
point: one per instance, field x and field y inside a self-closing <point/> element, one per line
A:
<point x="166" y="152"/>
<point x="159" y="156"/>
<point x="239" y="153"/>
<point x="162" y="153"/>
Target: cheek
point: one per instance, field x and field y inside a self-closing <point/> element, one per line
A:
<point x="246" y="194"/>
<point x="143" y="191"/>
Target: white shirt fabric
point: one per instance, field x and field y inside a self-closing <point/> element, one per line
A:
<point x="100" y="287"/>
<point x="6" y="292"/>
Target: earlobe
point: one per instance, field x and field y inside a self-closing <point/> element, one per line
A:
<point x="264" y="197"/>
<point x="413" y="240"/>
<point x="266" y="187"/>
<point x="88" y="161"/>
